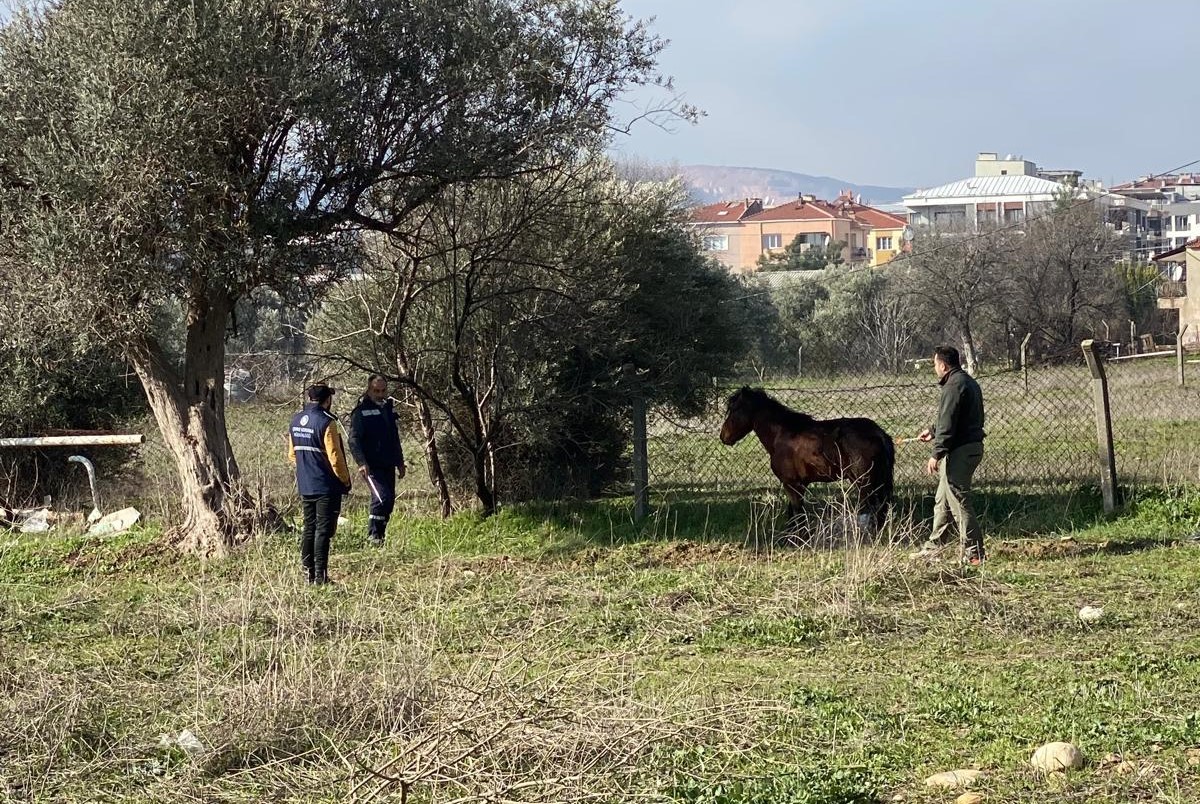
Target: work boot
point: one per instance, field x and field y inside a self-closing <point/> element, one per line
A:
<point x="321" y="577"/>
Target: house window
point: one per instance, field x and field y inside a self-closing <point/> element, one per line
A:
<point x="770" y="241"/>
<point x="716" y="242"/>
<point x="1014" y="215"/>
<point x="1181" y="222"/>
<point x="883" y="244"/>
<point x="949" y="217"/>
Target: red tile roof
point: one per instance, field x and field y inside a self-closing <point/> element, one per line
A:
<point x="843" y="208"/>
<point x="798" y="210"/>
<point x="726" y="211"/>
<point x="877" y="218"/>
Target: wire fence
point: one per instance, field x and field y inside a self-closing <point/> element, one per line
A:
<point x="1041" y="438"/>
<point x="1041" y="428"/>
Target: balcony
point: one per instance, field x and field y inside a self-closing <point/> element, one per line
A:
<point x="1172" y="294"/>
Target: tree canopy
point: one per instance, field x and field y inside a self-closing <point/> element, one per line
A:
<point x="157" y="154"/>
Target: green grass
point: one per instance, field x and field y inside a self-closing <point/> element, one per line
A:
<point x="566" y="649"/>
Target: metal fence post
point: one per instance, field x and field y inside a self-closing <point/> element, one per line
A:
<point x="1104" y="436"/>
<point x="641" y="458"/>
<point x="1025" y="359"/>
<point x="1179" y="356"/>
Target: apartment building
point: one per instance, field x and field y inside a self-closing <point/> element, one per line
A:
<point x="738" y="233"/>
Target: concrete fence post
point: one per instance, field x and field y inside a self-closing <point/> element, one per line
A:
<point x="1179" y="356"/>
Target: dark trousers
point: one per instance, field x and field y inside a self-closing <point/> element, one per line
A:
<point x="384" y="481"/>
<point x="321" y="512"/>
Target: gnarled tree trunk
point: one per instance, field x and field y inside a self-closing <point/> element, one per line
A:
<point x="190" y="413"/>
<point x="437" y="475"/>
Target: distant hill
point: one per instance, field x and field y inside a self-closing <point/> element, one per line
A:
<point x="712" y="183"/>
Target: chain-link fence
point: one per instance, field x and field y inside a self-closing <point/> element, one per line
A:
<point x="1041" y="439"/>
<point x="258" y="435"/>
<point x="1041" y="428"/>
<point x="1155" y="402"/>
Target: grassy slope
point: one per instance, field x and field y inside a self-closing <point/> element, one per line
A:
<point x="564" y="649"/>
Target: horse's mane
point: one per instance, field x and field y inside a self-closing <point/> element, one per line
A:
<point x="761" y="401"/>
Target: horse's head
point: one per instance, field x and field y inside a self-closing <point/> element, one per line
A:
<point x="739" y="416"/>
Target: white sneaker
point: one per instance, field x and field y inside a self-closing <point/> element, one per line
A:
<point x="929" y="552"/>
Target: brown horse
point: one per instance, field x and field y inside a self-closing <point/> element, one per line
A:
<point x="805" y="450"/>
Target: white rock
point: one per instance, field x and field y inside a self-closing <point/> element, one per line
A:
<point x="1090" y="614"/>
<point x="969" y="798"/>
<point x="954" y="780"/>
<point x="1057" y="757"/>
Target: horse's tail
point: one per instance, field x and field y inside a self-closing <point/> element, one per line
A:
<point x="883" y="477"/>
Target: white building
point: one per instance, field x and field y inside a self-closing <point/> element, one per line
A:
<point x="981" y="200"/>
<point x="1174" y="202"/>
<point x="1011" y="190"/>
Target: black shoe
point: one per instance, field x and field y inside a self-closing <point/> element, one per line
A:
<point x="321" y="578"/>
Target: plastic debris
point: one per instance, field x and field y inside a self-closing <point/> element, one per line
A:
<point x="188" y="742"/>
<point x="35" y="521"/>
<point x="116" y="522"/>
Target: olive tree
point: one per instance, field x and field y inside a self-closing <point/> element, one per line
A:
<point x="157" y="154"/>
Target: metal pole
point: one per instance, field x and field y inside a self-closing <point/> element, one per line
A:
<point x="1025" y="359"/>
<point x="1179" y="356"/>
<point x="73" y="441"/>
<point x="641" y="461"/>
<point x="799" y="361"/>
<point x="641" y="458"/>
<point x="1103" y="415"/>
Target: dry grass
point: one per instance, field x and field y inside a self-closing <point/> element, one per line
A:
<point x="555" y="657"/>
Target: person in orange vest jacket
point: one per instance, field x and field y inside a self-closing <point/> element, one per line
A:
<point x="322" y="478"/>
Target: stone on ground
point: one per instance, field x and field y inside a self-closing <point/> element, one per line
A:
<point x="1057" y="757"/>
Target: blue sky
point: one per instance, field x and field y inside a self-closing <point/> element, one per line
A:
<point x="906" y="92"/>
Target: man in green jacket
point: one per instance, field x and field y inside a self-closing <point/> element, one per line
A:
<point x="957" y="450"/>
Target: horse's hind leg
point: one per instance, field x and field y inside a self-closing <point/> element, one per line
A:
<point x="874" y="503"/>
<point x="795" y="512"/>
<point x="868" y="517"/>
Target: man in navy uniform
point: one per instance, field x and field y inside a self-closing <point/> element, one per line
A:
<point x="375" y="445"/>
<point x="322" y="477"/>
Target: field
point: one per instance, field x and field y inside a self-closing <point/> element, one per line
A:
<point x="561" y="653"/>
